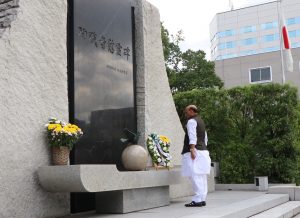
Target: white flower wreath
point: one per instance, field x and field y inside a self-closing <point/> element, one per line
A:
<point x="158" y="147"/>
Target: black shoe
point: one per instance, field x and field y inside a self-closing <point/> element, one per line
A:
<point x="194" y="204"/>
<point x="203" y="203"/>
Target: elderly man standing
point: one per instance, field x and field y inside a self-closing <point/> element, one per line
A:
<point x="195" y="156"/>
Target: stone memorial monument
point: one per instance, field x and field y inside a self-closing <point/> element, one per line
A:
<point x="99" y="63"/>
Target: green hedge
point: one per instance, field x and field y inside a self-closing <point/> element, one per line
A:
<point x="252" y="130"/>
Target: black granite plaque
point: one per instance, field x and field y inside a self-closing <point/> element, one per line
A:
<point x="104" y="78"/>
<point x="101" y="83"/>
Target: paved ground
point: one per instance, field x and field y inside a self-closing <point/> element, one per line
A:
<point x="177" y="209"/>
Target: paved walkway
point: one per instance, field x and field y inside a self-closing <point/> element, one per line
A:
<point x="177" y="209"/>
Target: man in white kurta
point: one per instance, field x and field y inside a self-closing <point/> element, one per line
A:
<point x="195" y="156"/>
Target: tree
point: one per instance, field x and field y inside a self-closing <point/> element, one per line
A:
<point x="171" y="49"/>
<point x="187" y="70"/>
<point x="196" y="73"/>
<point x="252" y="130"/>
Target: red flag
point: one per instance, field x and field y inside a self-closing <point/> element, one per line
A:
<point x="288" y="59"/>
<point x="285" y="37"/>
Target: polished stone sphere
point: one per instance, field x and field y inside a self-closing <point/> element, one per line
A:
<point x="134" y="157"/>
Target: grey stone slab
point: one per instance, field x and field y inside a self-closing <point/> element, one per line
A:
<point x="215" y="200"/>
<point x="100" y="178"/>
<point x="181" y="190"/>
<point x="285" y="210"/>
<point x="160" y="112"/>
<point x="132" y="200"/>
<point x="290" y="190"/>
<point x="239" y="187"/>
<point x="281" y="184"/>
<point x="297" y="193"/>
<point x="246" y="208"/>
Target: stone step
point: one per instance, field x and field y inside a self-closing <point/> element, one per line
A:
<point x="286" y="210"/>
<point x="245" y="208"/>
<point x="292" y="191"/>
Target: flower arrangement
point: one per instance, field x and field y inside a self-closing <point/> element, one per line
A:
<point x="158" y="147"/>
<point x="61" y="134"/>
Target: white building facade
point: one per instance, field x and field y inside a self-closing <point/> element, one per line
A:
<point x="245" y="43"/>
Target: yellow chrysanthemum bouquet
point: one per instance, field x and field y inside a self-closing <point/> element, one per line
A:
<point x="61" y="134"/>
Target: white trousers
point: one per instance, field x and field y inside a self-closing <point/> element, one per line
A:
<point x="199" y="166"/>
<point x="199" y="183"/>
<point x="197" y="171"/>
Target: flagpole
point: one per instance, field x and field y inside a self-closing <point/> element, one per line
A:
<point x="231" y="5"/>
<point x="281" y="44"/>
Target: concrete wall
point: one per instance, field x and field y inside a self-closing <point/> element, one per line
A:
<point x="33" y="87"/>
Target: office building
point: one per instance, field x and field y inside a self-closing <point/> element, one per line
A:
<point x="245" y="44"/>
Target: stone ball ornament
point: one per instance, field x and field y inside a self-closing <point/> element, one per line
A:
<point x="135" y="157"/>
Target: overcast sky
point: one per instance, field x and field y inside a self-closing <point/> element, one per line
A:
<point x="194" y="17"/>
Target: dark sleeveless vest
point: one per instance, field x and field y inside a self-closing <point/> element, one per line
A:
<point x="200" y="130"/>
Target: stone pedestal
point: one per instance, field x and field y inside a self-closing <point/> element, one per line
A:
<point x="216" y="167"/>
<point x="261" y="183"/>
<point x="125" y="201"/>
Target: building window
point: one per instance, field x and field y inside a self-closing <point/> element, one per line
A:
<point x="270" y="38"/>
<point x="248" y="29"/>
<point x="221" y="46"/>
<point x="226" y="33"/>
<point x="294" y="33"/>
<point x="226" y="56"/>
<point x="230" y="55"/>
<point x="249" y="41"/>
<point x="230" y="44"/>
<point x="248" y="52"/>
<point x="293" y="20"/>
<point x="269" y="25"/>
<point x="224" y="45"/>
<point x="296" y="45"/>
<point x="229" y="33"/>
<point x="260" y="75"/>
